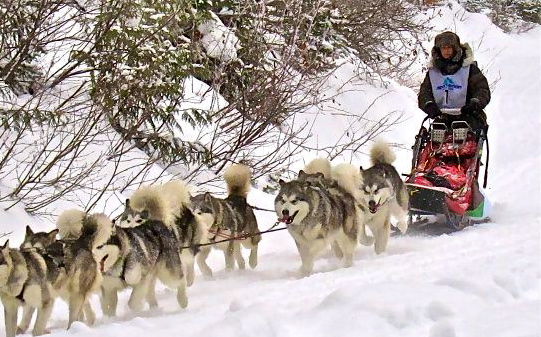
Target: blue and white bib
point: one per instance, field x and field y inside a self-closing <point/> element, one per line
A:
<point x="450" y="90"/>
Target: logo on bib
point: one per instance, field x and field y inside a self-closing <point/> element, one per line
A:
<point x="448" y="84"/>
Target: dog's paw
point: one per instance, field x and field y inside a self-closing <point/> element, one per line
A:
<point x="41" y="333"/>
<point x="402" y="227"/>
<point x="366" y="240"/>
<point x="304" y="272"/>
<point x="348" y="261"/>
<point x="208" y="277"/>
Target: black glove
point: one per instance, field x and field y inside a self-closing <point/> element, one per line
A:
<point x="471" y="107"/>
<point x="432" y="110"/>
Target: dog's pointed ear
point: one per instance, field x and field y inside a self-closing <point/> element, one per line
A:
<point x="361" y="168"/>
<point x="5" y="246"/>
<point x="52" y="234"/>
<point x="281" y="182"/>
<point x="208" y="197"/>
<point x="301" y="175"/>
<point x="28" y="230"/>
<point x="128" y="206"/>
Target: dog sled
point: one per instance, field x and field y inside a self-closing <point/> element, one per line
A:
<point x="443" y="179"/>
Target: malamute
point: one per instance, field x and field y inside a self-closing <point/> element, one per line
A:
<point x="229" y="218"/>
<point x="384" y="194"/>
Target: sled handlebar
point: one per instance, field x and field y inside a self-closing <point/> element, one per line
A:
<point x="451" y="111"/>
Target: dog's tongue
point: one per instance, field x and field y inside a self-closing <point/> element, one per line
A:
<point x="286" y="219"/>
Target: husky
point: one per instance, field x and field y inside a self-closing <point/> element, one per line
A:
<point x="190" y="229"/>
<point x="317" y="219"/>
<point x="83" y="234"/>
<point x="170" y="204"/>
<point x="51" y="250"/>
<point x="165" y="210"/>
<point x="24" y="282"/>
<point x="384" y="194"/>
<point x="129" y="259"/>
<point x="229" y="218"/>
<point x="342" y="180"/>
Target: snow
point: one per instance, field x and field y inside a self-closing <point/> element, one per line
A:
<point x="218" y="40"/>
<point x="482" y="281"/>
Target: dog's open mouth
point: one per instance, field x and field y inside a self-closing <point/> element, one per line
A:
<point x="288" y="219"/>
<point x="373" y="209"/>
<point x="102" y="262"/>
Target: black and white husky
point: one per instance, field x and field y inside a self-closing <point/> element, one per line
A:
<point x="231" y="217"/>
<point x="321" y="211"/>
<point x="156" y="237"/>
<point x="384" y="194"/>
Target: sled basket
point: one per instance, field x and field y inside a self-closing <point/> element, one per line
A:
<point x="423" y="200"/>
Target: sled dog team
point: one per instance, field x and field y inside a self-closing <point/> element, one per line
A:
<point x="164" y="231"/>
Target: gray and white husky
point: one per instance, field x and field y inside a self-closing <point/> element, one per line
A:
<point x="342" y="180"/>
<point x="82" y="234"/>
<point x="163" y="212"/>
<point x="229" y="218"/>
<point x="24" y="282"/>
<point x="384" y="194"/>
<point x="52" y="251"/>
<point x="317" y="219"/>
<point x="129" y="259"/>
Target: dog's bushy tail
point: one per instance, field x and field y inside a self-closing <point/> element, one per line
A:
<point x="74" y="223"/>
<point x="381" y="153"/>
<point x="177" y="196"/>
<point x="100" y="226"/>
<point x="70" y="224"/>
<point x="319" y="165"/>
<point x="151" y="200"/>
<point x="237" y="178"/>
<point x="348" y="177"/>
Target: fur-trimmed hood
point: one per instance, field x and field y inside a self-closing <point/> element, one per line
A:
<point x="463" y="54"/>
<point x="466" y="51"/>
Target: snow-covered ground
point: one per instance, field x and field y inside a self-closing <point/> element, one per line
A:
<point x="482" y="281"/>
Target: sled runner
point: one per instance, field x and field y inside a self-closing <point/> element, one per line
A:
<point x="443" y="178"/>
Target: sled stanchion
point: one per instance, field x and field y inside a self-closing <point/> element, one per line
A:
<point x="485" y="179"/>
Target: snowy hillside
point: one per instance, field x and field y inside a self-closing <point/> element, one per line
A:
<point x="482" y="281"/>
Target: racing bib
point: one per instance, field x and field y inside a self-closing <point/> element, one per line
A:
<point x="450" y="90"/>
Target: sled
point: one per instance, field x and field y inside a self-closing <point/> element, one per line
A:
<point x="443" y="178"/>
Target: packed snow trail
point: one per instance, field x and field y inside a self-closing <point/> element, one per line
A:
<point x="422" y="286"/>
